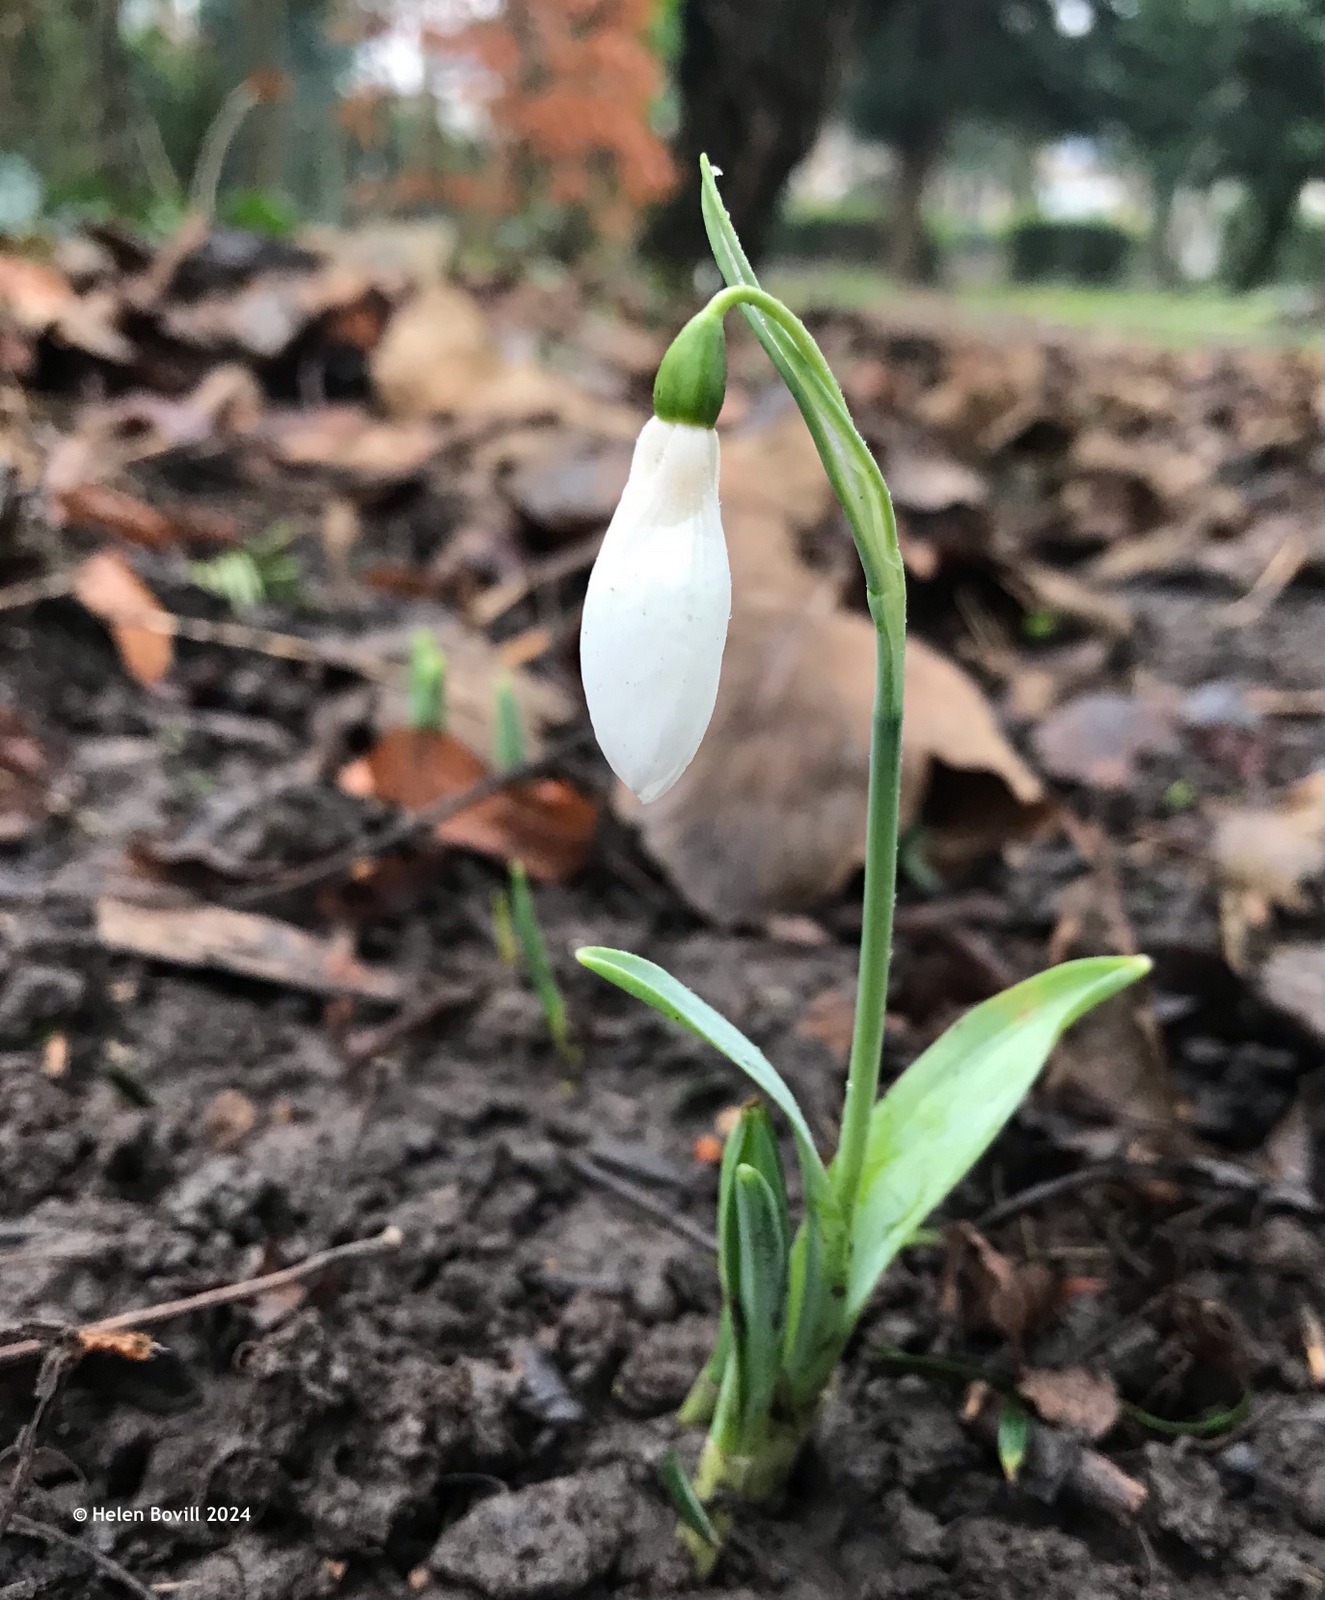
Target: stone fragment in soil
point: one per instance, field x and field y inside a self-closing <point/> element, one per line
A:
<point x="541" y="1543"/>
<point x="658" y="1372"/>
<point x="1188" y="1499"/>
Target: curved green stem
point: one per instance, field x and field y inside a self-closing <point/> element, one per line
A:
<point x="859" y="485"/>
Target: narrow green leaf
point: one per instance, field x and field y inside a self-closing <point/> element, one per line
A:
<point x="851" y="469"/>
<point x="1210" y="1423"/>
<point x="751" y="1143"/>
<point x="1014" y="1434"/>
<point x="946" y="1109"/>
<point x="427" y="683"/>
<point x="761" y="1285"/>
<point x="648" y="982"/>
<point x="685" y="1502"/>
<point x="508" y="741"/>
<point x="525" y="921"/>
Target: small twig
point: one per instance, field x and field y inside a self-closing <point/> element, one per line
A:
<point x="408" y="826"/>
<point x="365" y="1043"/>
<point x="498" y="600"/>
<point x="642" y="1201"/>
<point x="28" y="1529"/>
<point x="32" y="591"/>
<point x="225" y="1294"/>
<point x="54" y="1364"/>
<point x="1216" y="1174"/>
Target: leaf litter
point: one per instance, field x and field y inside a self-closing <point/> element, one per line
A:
<point x="1060" y="509"/>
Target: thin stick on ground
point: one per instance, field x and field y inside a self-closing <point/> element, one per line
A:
<point x="223" y="1295"/>
<point x="27" y="1528"/>
<point x="408" y="826"/>
<point x="55" y="1363"/>
<point x="643" y="1202"/>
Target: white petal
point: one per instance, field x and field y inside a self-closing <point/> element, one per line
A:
<point x="656" y="610"/>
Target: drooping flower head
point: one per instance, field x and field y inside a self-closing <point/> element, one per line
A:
<point x="659" y="597"/>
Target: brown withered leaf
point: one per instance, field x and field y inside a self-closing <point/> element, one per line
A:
<point x="346" y="439"/>
<point x="241" y="942"/>
<point x="110" y="589"/>
<point x="1097" y="739"/>
<point x="24" y="777"/>
<point x="546" y="823"/>
<point x="1293" y="978"/>
<point x="97" y="505"/>
<point x="986" y="1289"/>
<point x="1076" y="1399"/>
<point x="438" y="357"/>
<point x="229" y="1118"/>
<point x="1275" y="850"/>
<point x="1265" y="856"/>
<point x="770" y="816"/>
<point x="116" y="1342"/>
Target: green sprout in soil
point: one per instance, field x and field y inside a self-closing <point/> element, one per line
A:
<point x="515" y="920"/>
<point x="427" y="684"/>
<point x="651" y="644"/>
<point x="263" y="569"/>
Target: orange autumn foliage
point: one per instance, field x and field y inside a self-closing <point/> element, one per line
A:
<point x="568" y="86"/>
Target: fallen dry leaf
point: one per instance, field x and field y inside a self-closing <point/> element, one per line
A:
<point x="1097" y="739"/>
<point x="345" y="438"/>
<point x="1293" y="978"/>
<point x="1265" y="856"/>
<point x="546" y="823"/>
<point x="770" y="816"/>
<point x="986" y="1289"/>
<point x="108" y="1341"/>
<point x="438" y="357"/>
<point x="96" y="505"/>
<point x="24" y="777"/>
<point x="110" y="589"/>
<point x="1273" y="851"/>
<point x="229" y="1119"/>
<point x="1082" y="1402"/>
<point x="244" y="943"/>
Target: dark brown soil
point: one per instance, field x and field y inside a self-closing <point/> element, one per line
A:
<point x="481" y="1410"/>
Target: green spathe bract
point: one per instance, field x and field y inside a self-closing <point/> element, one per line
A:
<point x="791" y="1300"/>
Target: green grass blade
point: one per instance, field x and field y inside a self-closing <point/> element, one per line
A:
<point x="509" y="749"/>
<point x="946" y="1109"/>
<point x="685" y="1502"/>
<point x="527" y="931"/>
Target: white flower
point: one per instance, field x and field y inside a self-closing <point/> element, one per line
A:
<point x="655" y="615"/>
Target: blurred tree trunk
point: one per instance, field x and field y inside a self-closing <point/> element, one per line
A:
<point x="756" y="84"/>
<point x="1273" y="207"/>
<point x="1164" y="179"/>
<point x="909" y="258"/>
<point x="112" y="109"/>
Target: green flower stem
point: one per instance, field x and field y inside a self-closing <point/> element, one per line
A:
<point x="852" y="466"/>
<point x="876" y="933"/>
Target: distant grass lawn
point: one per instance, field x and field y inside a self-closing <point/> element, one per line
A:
<point x="1198" y="317"/>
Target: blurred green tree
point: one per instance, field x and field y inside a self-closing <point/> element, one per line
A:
<point x="924" y="66"/>
<point x="1204" y="89"/>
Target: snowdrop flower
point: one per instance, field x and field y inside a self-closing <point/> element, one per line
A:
<point x="659" y="597"/>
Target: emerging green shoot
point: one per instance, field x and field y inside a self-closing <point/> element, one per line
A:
<point x="427" y="684"/>
<point x="515" y="921"/>
<point x="532" y="946"/>
<point x="263" y="569"/>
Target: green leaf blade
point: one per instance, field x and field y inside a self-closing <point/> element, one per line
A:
<point x="950" y="1104"/>
<point x="851" y="469"/>
<point x="648" y="982"/>
<point x="761" y="1286"/>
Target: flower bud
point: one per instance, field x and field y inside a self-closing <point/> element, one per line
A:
<point x="692" y="377"/>
<point x="656" y="610"/>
